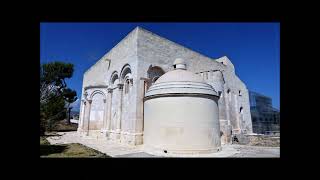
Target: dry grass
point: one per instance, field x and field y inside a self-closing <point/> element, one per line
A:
<point x="62" y="126"/>
<point x="73" y="150"/>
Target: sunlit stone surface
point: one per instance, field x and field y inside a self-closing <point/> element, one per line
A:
<point x="113" y="90"/>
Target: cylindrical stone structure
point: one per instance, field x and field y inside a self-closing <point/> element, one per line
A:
<point x="181" y="114"/>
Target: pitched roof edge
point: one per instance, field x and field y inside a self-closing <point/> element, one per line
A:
<point x="131" y="33"/>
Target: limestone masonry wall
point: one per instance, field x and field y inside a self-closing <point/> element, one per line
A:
<point x="123" y="75"/>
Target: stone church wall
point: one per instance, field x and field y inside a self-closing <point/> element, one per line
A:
<point x="142" y="50"/>
<point x="123" y="54"/>
<point x="157" y="51"/>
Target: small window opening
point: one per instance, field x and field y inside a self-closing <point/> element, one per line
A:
<point x="240" y="93"/>
<point x="165" y="151"/>
<point x="127" y="86"/>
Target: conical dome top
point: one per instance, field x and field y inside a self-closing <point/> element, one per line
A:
<point x="180" y="81"/>
<point x="179" y="73"/>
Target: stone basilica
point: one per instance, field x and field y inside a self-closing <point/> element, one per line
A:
<point x="115" y="89"/>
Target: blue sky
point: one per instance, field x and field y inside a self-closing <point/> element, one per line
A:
<point x="253" y="48"/>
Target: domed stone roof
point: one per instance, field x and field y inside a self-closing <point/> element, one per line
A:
<point x="179" y="61"/>
<point x="180" y="81"/>
<point x="179" y="75"/>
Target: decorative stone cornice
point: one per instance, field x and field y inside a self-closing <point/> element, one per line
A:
<point x="95" y="86"/>
<point x="208" y="96"/>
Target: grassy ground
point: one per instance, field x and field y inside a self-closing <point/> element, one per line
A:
<point x="62" y="126"/>
<point x="73" y="150"/>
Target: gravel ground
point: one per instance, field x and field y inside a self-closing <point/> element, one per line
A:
<point x="119" y="150"/>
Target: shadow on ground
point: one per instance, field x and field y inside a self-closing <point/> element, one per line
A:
<point x="73" y="150"/>
<point x="46" y="150"/>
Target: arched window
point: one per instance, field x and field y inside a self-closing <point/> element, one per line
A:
<point x="126" y="71"/>
<point x="126" y="86"/>
<point x="114" y="80"/>
<point x="241" y="110"/>
<point x="126" y="78"/>
<point x="229" y="95"/>
<point x="154" y="72"/>
<point x="240" y="93"/>
<point x="206" y="75"/>
<point x="202" y="75"/>
<point x="155" y="79"/>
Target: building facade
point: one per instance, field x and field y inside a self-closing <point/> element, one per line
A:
<point x="265" y="118"/>
<point x="114" y="88"/>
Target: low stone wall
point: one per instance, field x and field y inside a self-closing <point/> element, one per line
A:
<point x="263" y="140"/>
<point x="258" y="140"/>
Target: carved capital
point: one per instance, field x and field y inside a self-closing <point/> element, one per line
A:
<point x="145" y="79"/>
<point x="90" y="101"/>
<point x="85" y="94"/>
<point x="110" y="90"/>
<point x="120" y="86"/>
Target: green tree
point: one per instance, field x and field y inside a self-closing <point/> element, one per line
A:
<point x="54" y="93"/>
<point x="70" y="96"/>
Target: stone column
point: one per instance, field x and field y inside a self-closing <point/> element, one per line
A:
<point x="118" y="125"/>
<point x="104" y="115"/>
<point x="226" y="101"/>
<point x="210" y="76"/>
<point x="109" y="102"/>
<point x="82" y="113"/>
<point x="237" y="112"/>
<point x="142" y="89"/>
<point x="88" y="117"/>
